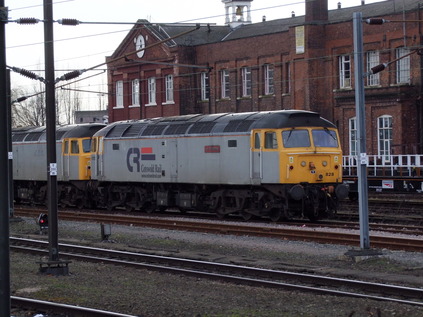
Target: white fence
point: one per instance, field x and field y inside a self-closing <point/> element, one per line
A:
<point x="392" y="165"/>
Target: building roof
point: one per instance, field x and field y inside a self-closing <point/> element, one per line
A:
<point x="215" y="33"/>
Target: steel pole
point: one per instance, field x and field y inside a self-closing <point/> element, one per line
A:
<point x="362" y="160"/>
<point x="4" y="182"/>
<point x="51" y="131"/>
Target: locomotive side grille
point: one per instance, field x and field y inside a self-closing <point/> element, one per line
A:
<point x="238" y="126"/>
<point x="134" y="130"/>
<point x="177" y="129"/>
<point x="17" y="137"/>
<point x="117" y="131"/>
<point x="202" y="128"/>
<point x="154" y="130"/>
<point x="60" y="134"/>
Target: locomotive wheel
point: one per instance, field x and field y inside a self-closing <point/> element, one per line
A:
<point x="275" y="214"/>
<point x="220" y="213"/>
<point x="246" y="215"/>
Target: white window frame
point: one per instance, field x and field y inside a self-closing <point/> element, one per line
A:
<point x="269" y="87"/>
<point x="402" y="66"/>
<point x="246" y="81"/>
<point x="119" y="94"/>
<point x="287" y="78"/>
<point x="136" y="93"/>
<point x="169" y="89"/>
<point x="384" y="137"/>
<point x="344" y="71"/>
<point x="352" y="132"/>
<point x="205" y="86"/>
<point x="372" y="61"/>
<point x="151" y="82"/>
<point x="225" y="84"/>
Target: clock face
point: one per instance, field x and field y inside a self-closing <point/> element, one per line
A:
<point x="139" y="44"/>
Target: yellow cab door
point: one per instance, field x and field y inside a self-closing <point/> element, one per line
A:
<point x="76" y="158"/>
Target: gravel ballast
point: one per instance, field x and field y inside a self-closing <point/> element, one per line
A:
<point x="144" y="293"/>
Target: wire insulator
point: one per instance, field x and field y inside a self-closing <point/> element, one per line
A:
<point x="376" y="21"/>
<point x="71" y="75"/>
<point x="27" y="21"/>
<point x="68" y="22"/>
<point x="27" y="73"/>
<point x="378" y="68"/>
<point x="20" y="99"/>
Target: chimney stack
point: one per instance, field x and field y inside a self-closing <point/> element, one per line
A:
<point x="339" y="5"/>
<point x="316" y="11"/>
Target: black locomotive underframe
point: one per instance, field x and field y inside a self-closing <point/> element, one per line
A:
<point x="271" y="201"/>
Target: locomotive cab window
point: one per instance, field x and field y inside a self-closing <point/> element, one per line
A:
<point x="325" y="138"/>
<point x="270" y="140"/>
<point x="66" y="147"/>
<point x="74" y="147"/>
<point x="257" y="140"/>
<point x="86" y="145"/>
<point x="94" y="145"/>
<point x="295" y="138"/>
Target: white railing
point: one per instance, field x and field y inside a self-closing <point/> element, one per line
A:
<point x="392" y="165"/>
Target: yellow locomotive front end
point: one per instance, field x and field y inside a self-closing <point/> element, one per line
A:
<point x="310" y="155"/>
<point x="302" y="165"/>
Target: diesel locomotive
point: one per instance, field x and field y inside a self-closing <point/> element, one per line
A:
<point x="278" y="164"/>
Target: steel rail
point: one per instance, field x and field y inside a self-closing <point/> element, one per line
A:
<point x="238" y="274"/>
<point x="352" y="239"/>
<point x="46" y="306"/>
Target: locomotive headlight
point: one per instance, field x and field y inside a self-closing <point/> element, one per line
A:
<point x="325" y="163"/>
<point x="303" y="163"/>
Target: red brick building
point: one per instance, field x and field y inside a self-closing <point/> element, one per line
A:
<point x="304" y="62"/>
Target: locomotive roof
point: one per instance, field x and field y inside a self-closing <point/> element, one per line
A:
<point x="33" y="134"/>
<point x="221" y="123"/>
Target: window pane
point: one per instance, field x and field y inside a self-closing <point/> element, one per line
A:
<point x="325" y="138"/>
<point x="86" y="145"/>
<point x="270" y="140"/>
<point x="205" y="86"/>
<point x="296" y="138"/>
<point x="74" y="147"/>
<point x="257" y="141"/>
<point x="344" y="71"/>
<point x="119" y="93"/>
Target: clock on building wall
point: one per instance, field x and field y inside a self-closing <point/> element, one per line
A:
<point x="139" y="44"/>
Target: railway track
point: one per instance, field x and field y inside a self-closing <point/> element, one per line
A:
<point x="58" y="308"/>
<point x="281" y="232"/>
<point x="232" y="273"/>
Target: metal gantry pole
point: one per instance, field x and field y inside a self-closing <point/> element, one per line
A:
<point x="4" y="182"/>
<point x="51" y="131"/>
<point x="362" y="160"/>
